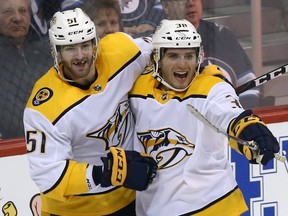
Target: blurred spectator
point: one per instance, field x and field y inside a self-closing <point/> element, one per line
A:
<point x="43" y="10"/>
<point x="106" y="15"/>
<point x="169" y="9"/>
<point x="220" y="46"/>
<point x="24" y="55"/>
<point x="140" y="17"/>
<point x="70" y="4"/>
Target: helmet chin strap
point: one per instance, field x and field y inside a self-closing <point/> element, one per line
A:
<point x="68" y="80"/>
<point x="162" y="81"/>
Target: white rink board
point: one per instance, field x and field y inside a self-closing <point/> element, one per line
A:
<point x="275" y="180"/>
<point x="16" y="187"/>
<point x="265" y="188"/>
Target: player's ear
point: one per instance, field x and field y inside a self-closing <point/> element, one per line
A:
<point x="200" y="55"/>
<point x="96" y="47"/>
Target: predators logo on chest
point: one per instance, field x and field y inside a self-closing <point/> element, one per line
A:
<point x="115" y="131"/>
<point x="167" y="146"/>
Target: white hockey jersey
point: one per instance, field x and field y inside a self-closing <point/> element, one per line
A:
<point x="194" y="175"/>
<point x="68" y="128"/>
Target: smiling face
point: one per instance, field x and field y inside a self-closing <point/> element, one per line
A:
<point x="14" y="19"/>
<point x="77" y="60"/>
<point x="178" y="66"/>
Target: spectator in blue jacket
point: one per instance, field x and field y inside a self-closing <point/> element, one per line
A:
<point x="140" y="18"/>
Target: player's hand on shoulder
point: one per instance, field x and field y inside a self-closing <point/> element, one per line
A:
<point x="128" y="168"/>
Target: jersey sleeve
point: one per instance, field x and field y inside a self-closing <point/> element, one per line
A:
<point x="49" y="154"/>
<point x="145" y="46"/>
<point x="222" y="107"/>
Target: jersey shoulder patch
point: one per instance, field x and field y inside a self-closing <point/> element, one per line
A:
<point x="51" y="96"/>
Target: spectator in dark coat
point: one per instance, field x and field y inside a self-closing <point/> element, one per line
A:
<point x="24" y="55"/>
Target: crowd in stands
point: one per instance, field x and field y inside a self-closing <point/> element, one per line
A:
<point x="25" y="52"/>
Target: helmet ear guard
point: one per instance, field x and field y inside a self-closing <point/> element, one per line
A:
<point x="200" y="55"/>
<point x="156" y="55"/>
<point x="53" y="52"/>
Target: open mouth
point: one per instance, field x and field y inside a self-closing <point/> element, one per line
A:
<point x="80" y="64"/>
<point x="180" y="75"/>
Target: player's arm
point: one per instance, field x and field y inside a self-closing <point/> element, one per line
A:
<point x="250" y="127"/>
<point x="50" y="159"/>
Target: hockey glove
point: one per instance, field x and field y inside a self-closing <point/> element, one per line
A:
<point x="248" y="127"/>
<point x="128" y="168"/>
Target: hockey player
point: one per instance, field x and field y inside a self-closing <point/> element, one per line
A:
<point x="194" y="175"/>
<point x="218" y="43"/>
<point x="77" y="113"/>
